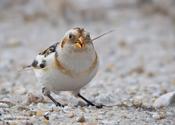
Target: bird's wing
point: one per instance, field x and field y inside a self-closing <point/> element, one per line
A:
<point x="44" y="53"/>
<point x="49" y="50"/>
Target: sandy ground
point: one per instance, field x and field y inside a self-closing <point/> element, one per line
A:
<point x="137" y="61"/>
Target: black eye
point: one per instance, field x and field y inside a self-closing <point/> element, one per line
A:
<point x="71" y="36"/>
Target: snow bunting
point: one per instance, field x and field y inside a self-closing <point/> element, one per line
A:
<point x="68" y="65"/>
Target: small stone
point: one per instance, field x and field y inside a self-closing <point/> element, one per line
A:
<point x="132" y="90"/>
<point x="31" y="98"/>
<point x="167" y="99"/>
<point x="138" y="70"/>
<point x="81" y="119"/>
<point x="22" y="108"/>
<point x="28" y="123"/>
<point x="44" y="107"/>
<point x="124" y="103"/>
<point x="32" y="113"/>
<point x="19" y="90"/>
<point x="39" y="113"/>
<point x="4" y="105"/>
<point x="46" y="115"/>
<point x="54" y="108"/>
<point x="150" y="74"/>
<point x="71" y="115"/>
<point x="137" y="102"/>
<point x="109" y="67"/>
<point x="122" y="43"/>
<point x="159" y="116"/>
<point x="6" y="101"/>
<point x="81" y="103"/>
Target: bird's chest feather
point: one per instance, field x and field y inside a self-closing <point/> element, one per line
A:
<point x="68" y="69"/>
<point x="79" y="62"/>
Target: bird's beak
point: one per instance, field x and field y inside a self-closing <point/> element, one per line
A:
<point x="80" y="43"/>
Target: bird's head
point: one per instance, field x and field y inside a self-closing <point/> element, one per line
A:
<point x="76" y="39"/>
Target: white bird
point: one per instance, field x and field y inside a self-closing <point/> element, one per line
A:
<point x="68" y="65"/>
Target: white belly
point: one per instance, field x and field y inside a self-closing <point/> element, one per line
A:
<point x="55" y="80"/>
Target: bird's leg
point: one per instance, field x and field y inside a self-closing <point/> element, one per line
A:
<point x="47" y="93"/>
<point x="89" y="102"/>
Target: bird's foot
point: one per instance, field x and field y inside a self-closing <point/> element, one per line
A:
<point x="46" y="92"/>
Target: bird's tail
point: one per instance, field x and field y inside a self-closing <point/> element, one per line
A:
<point x="28" y="67"/>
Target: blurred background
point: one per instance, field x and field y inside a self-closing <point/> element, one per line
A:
<point x="137" y="59"/>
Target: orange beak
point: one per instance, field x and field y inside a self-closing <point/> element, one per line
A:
<point x="80" y="43"/>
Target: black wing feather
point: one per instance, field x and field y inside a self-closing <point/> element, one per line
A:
<point x="49" y="50"/>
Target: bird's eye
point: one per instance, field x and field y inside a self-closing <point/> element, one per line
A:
<point x="71" y="36"/>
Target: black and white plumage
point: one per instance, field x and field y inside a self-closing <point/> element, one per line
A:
<point x="40" y="61"/>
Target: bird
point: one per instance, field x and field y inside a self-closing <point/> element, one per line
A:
<point x="68" y="65"/>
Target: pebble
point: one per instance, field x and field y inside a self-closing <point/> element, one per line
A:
<point x="19" y="90"/>
<point x="46" y="115"/>
<point x="132" y="90"/>
<point x="7" y="101"/>
<point x="109" y="67"/>
<point x="71" y="115"/>
<point x="81" y="119"/>
<point x="39" y="113"/>
<point x="150" y="74"/>
<point x="81" y="103"/>
<point x="138" y="70"/>
<point x="31" y="98"/>
<point x="44" y="107"/>
<point x="4" y="105"/>
<point x="28" y="123"/>
<point x="32" y="113"/>
<point x="165" y="100"/>
<point x="22" y="108"/>
<point x="122" y="43"/>
<point x="137" y="102"/>
<point x="159" y="115"/>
